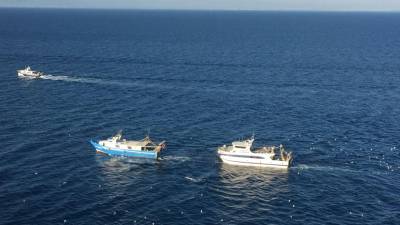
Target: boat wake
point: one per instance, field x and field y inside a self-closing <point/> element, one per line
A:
<point x="322" y="168"/>
<point x="88" y="80"/>
<point x="175" y="158"/>
<point x="194" y="180"/>
<point x="139" y="83"/>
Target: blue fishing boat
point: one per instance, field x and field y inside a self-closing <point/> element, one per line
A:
<point x="116" y="146"/>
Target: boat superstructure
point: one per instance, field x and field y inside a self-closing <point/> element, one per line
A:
<point x="117" y="146"/>
<point x="29" y="73"/>
<point x="241" y="153"/>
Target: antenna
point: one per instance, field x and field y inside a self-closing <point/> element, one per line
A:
<point x="148" y="132"/>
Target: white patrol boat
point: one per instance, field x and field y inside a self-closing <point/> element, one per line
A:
<point x="240" y="153"/>
<point x="116" y="146"/>
<point x="29" y="73"/>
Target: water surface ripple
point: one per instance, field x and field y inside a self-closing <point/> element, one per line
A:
<point x="326" y="85"/>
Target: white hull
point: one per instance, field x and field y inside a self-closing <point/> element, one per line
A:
<point x="244" y="161"/>
<point x="28" y="76"/>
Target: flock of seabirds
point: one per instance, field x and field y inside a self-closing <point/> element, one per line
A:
<point x="238" y="153"/>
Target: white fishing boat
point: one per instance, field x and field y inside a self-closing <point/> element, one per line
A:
<point x="241" y="153"/>
<point x="29" y="73"/>
<point x="116" y="146"/>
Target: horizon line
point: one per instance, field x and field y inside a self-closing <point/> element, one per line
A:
<point x="209" y="10"/>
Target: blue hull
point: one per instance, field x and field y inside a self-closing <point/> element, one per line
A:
<point x="124" y="152"/>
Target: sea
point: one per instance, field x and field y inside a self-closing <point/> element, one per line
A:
<point x="323" y="84"/>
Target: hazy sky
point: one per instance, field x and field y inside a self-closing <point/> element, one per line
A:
<point x="348" y="5"/>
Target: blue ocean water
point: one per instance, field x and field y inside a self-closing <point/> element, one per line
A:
<point x="326" y="85"/>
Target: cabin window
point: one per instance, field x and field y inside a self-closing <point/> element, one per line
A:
<point x="129" y="147"/>
<point x="117" y="146"/>
<point x="239" y="147"/>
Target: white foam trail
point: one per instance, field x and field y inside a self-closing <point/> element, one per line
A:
<point x="321" y="168"/>
<point x="140" y="84"/>
<point x="195" y="180"/>
<point x="73" y="79"/>
<point x="190" y="178"/>
<point x="176" y="158"/>
<point x="90" y="81"/>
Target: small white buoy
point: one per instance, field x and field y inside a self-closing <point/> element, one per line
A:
<point x="201" y="211"/>
<point x="145" y="217"/>
<point x="291" y="217"/>
<point x="289" y="200"/>
<point x="115" y="213"/>
<point x="293" y="205"/>
<point x="222" y="220"/>
<point x="65" y="220"/>
<point x="36" y="173"/>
